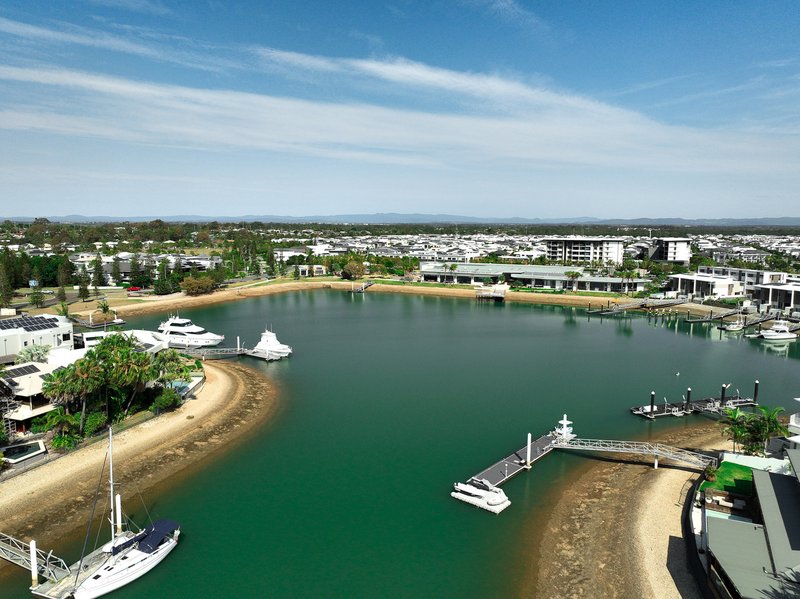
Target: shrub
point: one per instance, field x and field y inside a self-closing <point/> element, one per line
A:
<point x="64" y="441"/>
<point x="39" y="425"/>
<point x="3" y="435"/>
<point x="168" y="400"/>
<point x="198" y="285"/>
<point x="94" y="422"/>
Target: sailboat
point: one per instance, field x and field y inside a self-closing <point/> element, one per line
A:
<point x="123" y="559"/>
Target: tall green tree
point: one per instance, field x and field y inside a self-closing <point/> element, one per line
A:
<point x="83" y="284"/>
<point x="98" y="276"/>
<point x="6" y="286"/>
<point x="116" y="270"/>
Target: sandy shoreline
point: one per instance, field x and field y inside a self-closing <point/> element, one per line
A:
<point x="234" y="401"/>
<point x="178" y="301"/>
<point x="617" y="533"/>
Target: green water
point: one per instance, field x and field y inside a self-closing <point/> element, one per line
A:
<point x="388" y="400"/>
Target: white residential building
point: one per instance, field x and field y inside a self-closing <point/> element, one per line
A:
<point x="748" y="277"/>
<point x="579" y="249"/>
<point x="673" y="249"/>
<point x="704" y="285"/>
<point x="21" y="331"/>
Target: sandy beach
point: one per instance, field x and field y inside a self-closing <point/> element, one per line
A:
<point x="55" y="499"/>
<point x="617" y="532"/>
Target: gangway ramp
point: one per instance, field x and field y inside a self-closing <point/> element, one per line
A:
<point x="656" y="450"/>
<point x="19" y="553"/>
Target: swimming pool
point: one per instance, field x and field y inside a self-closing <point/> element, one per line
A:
<point x="16" y="454"/>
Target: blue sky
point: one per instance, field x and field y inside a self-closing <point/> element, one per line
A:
<point x="493" y="108"/>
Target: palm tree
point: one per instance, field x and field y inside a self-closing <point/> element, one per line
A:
<point x="735" y="426"/>
<point x="61" y="422"/>
<point x="573" y="276"/>
<point x="772" y="425"/>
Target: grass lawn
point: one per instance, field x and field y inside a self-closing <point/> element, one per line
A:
<point x="732" y="478"/>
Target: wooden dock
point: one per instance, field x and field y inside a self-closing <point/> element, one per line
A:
<point x="707" y="405"/>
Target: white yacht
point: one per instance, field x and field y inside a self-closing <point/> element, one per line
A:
<point x="269" y="348"/>
<point x="481" y="493"/>
<point x="126" y="557"/>
<point x="183" y="333"/>
<point x="778" y="332"/>
<point x="733" y="326"/>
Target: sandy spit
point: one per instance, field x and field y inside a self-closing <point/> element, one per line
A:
<point x="54" y="500"/>
<point x="616" y="532"/>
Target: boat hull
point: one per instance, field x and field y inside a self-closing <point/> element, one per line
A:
<point x="138" y="565"/>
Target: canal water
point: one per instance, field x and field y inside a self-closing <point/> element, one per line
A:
<point x="388" y="400"/>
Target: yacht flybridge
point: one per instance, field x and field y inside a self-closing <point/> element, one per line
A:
<point x="183" y="333"/>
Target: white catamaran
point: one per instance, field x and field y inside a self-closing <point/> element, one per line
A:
<point x="126" y="557"/>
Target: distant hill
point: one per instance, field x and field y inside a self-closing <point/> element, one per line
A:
<point x="392" y="218"/>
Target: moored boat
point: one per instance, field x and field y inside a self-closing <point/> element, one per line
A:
<point x="125" y="558"/>
<point x="269" y="348"/>
<point x="778" y="332"/>
<point x="183" y="333"/>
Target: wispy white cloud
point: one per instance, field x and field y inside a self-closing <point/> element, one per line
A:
<point x="649" y="85"/>
<point x="556" y="130"/>
<point x="94" y="38"/>
<point x="511" y="12"/>
<point x="142" y="6"/>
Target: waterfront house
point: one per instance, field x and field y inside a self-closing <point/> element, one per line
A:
<point x="705" y="285"/>
<point x="19" y="332"/>
<point x="759" y="558"/>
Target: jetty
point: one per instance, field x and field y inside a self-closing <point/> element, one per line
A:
<point x="711" y="317"/>
<point x="482" y="490"/>
<point x="495" y="293"/>
<point x="707" y="405"/>
<point x="644" y="304"/>
<point x="362" y="288"/>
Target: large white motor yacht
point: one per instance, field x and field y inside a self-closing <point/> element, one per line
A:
<point x="183" y="333"/>
<point x="269" y="348"/>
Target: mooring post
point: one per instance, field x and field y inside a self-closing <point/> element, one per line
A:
<point x="755" y="392"/>
<point x="722" y="394"/>
<point x="652" y="402"/>
<point x="688" y="399"/>
<point x="528" y="453"/>
<point x="655" y="463"/>
<point x="34" y="566"/>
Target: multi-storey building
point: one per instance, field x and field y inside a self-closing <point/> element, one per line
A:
<point x="584" y="250"/>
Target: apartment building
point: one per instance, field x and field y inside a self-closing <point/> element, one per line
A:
<point x="584" y="250"/>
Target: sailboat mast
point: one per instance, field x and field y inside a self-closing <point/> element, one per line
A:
<point x="111" y="479"/>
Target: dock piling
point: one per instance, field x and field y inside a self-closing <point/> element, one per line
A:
<point x="755" y="392"/>
<point x="722" y="394"/>
<point x="528" y="453"/>
<point x="34" y="565"/>
<point x="652" y="402"/>
<point x="688" y="399"/>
